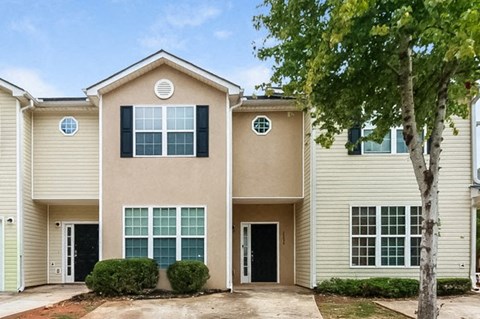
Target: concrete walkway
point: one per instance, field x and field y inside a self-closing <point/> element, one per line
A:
<point x="31" y="298"/>
<point x="247" y="302"/>
<point x="464" y="307"/>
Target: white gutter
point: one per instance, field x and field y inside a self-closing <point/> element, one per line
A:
<point x="476" y="180"/>
<point x="229" y="231"/>
<point x="474" y="124"/>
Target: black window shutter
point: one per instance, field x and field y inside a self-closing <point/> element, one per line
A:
<point x="354" y="135"/>
<point x="429" y="144"/>
<point x="126" y="131"/>
<point x="202" y="130"/>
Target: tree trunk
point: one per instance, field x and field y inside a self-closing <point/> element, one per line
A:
<point x="426" y="177"/>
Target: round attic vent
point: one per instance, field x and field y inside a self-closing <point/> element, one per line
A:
<point x="164" y="89"/>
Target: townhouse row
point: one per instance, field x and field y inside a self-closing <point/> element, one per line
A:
<point x="169" y="161"/>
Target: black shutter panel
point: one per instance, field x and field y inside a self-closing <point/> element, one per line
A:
<point x="429" y="144"/>
<point x="202" y="131"/>
<point x="126" y="131"/>
<point x="354" y="135"/>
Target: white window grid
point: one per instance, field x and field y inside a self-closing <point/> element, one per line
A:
<point x="68" y="126"/>
<point x="394" y="149"/>
<point x="165" y="128"/>
<point x="393" y="243"/>
<point x="261" y="125"/>
<point x="178" y="222"/>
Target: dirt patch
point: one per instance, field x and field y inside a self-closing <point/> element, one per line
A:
<point x="336" y="307"/>
<point x="68" y="309"/>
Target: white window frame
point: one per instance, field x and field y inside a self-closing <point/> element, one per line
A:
<point x="261" y="117"/>
<point x="164" y="130"/>
<point x="76" y="125"/>
<point x="178" y="235"/>
<point x="393" y="142"/>
<point x="378" y="236"/>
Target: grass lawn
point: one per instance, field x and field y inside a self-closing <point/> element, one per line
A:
<point x="338" y="307"/>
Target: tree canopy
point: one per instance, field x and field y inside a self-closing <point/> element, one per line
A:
<point x="341" y="57"/>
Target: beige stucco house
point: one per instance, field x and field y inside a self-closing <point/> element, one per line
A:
<point x="167" y="160"/>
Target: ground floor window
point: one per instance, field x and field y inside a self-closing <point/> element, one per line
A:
<point x="385" y="236"/>
<point x="165" y="234"/>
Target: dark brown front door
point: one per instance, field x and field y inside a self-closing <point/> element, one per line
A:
<point x="264" y="252"/>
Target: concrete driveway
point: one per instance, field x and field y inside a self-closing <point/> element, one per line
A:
<point x="254" y="302"/>
<point x="463" y="307"/>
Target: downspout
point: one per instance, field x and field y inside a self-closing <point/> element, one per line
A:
<point x="473" y="220"/>
<point x="21" y="270"/>
<point x="229" y="238"/>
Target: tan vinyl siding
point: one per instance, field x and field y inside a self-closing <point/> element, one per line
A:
<point x="302" y="217"/>
<point x="8" y="188"/>
<point x="64" y="214"/>
<point x="65" y="167"/>
<point x="35" y="218"/>
<point x="343" y="181"/>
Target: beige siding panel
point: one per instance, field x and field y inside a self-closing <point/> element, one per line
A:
<point x="65" y="167"/>
<point x="302" y="217"/>
<point x="343" y="181"/>
<point x="8" y="187"/>
<point x="64" y="214"/>
<point x="35" y="218"/>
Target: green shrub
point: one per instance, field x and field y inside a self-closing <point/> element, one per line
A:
<point x="390" y="287"/>
<point x="373" y="287"/>
<point x="187" y="276"/>
<point x="116" y="277"/>
<point x="453" y="286"/>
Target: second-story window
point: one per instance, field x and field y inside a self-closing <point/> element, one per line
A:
<point x="164" y="130"/>
<point x="392" y="143"/>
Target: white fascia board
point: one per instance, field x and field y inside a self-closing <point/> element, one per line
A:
<point x="16" y="91"/>
<point x="231" y="88"/>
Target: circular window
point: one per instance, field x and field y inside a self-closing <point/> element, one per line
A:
<point x="164" y="89"/>
<point x="261" y="125"/>
<point x="68" y="125"/>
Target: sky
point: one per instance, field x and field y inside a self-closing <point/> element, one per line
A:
<point x="56" y="48"/>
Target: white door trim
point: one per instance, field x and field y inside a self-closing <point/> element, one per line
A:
<point x="248" y="278"/>
<point x="65" y="225"/>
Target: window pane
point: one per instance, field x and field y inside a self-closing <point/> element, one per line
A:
<point x="136" y="222"/>
<point x="416" y="220"/>
<point x="164" y="251"/>
<point x="148" y="144"/>
<point x="393" y="220"/>
<point x="393" y="251"/>
<point x="136" y="247"/>
<point x="363" y="221"/>
<point x="193" y="249"/>
<point x="180" y="143"/>
<point x="180" y="118"/>
<point x="401" y="145"/>
<point x="363" y="251"/>
<point x="164" y="221"/>
<point x="373" y="147"/>
<point x="261" y="125"/>
<point x="193" y="221"/>
<point x="148" y="118"/>
<point x="415" y="251"/>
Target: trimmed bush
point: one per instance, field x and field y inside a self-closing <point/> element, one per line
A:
<point x="187" y="276"/>
<point x="453" y="286"/>
<point x="373" y="287"/>
<point x="115" y="277"/>
<point x="390" y="287"/>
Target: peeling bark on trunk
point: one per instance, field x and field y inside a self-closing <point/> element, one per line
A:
<point x="427" y="177"/>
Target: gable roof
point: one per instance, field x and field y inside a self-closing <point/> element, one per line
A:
<point x="151" y="62"/>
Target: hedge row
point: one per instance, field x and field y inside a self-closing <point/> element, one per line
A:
<point x="390" y="287"/>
